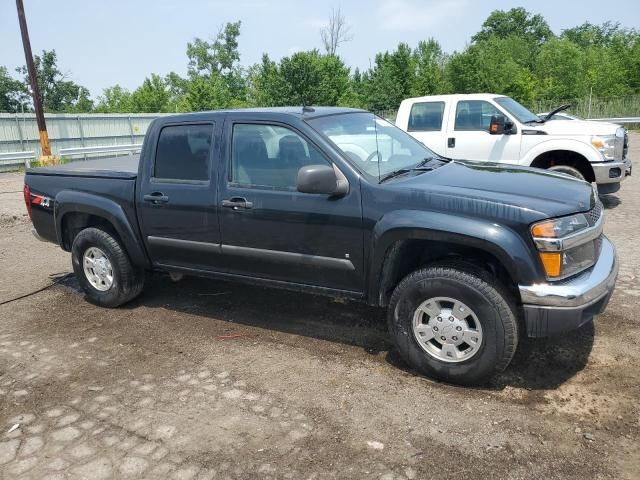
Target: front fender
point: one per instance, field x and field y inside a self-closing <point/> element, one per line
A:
<point x="502" y="242"/>
<point x="550" y="145"/>
<point x="71" y="201"/>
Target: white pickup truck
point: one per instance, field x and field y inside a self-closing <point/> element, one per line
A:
<point x="495" y="128"/>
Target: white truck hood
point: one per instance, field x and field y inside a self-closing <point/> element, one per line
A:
<point x="576" y="127"/>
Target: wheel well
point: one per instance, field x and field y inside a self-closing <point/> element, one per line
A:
<point x="406" y="256"/>
<point x="565" y="157"/>
<point x="73" y="223"/>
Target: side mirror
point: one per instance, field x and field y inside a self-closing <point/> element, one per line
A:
<point x="498" y="125"/>
<point x="321" y="179"/>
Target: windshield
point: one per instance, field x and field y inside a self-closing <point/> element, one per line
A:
<point x="522" y="114"/>
<point x="375" y="146"/>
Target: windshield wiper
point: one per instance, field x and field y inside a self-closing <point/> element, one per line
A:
<point x="556" y="110"/>
<point x="395" y="173"/>
<point x="421" y="166"/>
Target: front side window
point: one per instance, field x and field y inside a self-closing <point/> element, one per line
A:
<point x="474" y="115"/>
<point x="270" y="156"/>
<point x="373" y="145"/>
<point x="183" y="153"/>
<point x="426" y="117"/>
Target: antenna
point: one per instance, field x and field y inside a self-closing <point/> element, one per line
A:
<point x="306" y="109"/>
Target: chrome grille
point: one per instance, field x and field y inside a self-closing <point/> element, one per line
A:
<point x="594" y="214"/>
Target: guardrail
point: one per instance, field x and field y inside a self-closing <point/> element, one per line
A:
<point x="621" y="120"/>
<point x="71" y="152"/>
<point x="9" y="160"/>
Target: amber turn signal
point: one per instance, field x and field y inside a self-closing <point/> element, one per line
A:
<point x="552" y="262"/>
<point x="545" y="230"/>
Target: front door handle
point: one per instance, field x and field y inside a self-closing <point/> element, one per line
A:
<point x="156" y="198"/>
<point x="451" y="142"/>
<point x="237" y="203"/>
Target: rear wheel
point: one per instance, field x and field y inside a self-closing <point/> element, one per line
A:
<point x="454" y="323"/>
<point x="103" y="269"/>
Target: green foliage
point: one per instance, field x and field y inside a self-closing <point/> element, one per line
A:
<point x="517" y="22"/>
<point x="113" y="100"/>
<point x="152" y="96"/>
<point x="216" y="57"/>
<point x="12" y="93"/>
<point x="391" y="79"/>
<point x="57" y="93"/>
<point x="304" y="78"/>
<point x="514" y="53"/>
<point x="430" y="75"/>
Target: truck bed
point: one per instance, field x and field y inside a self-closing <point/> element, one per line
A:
<point x="112" y="167"/>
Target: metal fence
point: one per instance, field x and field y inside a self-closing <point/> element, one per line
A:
<point x="69" y="134"/>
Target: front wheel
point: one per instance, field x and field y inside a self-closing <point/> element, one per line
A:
<point x="103" y="268"/>
<point x="454" y="323"/>
<point x="568" y="170"/>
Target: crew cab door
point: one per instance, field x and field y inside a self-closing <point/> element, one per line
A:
<point x="427" y="123"/>
<point x="469" y="138"/>
<point x="176" y="198"/>
<point x="272" y="231"/>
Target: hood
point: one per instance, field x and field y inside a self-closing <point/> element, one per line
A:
<point x="576" y="127"/>
<point x="520" y="194"/>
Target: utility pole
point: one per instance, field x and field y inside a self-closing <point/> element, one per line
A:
<point x="46" y="157"/>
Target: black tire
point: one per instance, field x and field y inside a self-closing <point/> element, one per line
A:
<point x="568" y="170"/>
<point x="483" y="294"/>
<point x="128" y="281"/>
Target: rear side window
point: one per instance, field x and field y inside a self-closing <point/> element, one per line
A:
<point x="183" y="152"/>
<point x="426" y="117"/>
<point x="474" y="115"/>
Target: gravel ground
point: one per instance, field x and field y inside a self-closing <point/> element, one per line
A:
<point x="203" y="379"/>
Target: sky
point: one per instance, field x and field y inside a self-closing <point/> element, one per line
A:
<point x="106" y="42"/>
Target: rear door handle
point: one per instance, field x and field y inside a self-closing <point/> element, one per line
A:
<point x="451" y="142"/>
<point x="237" y="203"/>
<point x="156" y="198"/>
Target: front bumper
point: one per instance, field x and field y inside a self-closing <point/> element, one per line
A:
<point x="551" y="308"/>
<point x="611" y="172"/>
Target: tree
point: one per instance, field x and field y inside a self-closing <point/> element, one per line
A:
<point x="430" y="69"/>
<point x="267" y="87"/>
<point x="588" y="34"/>
<point x="560" y="70"/>
<point x="114" y="99"/>
<point x="517" y="22"/>
<point x="496" y="65"/>
<point x="215" y="65"/>
<point x="152" y="96"/>
<point x="178" y="88"/>
<point x="336" y="32"/>
<point x="216" y="57"/>
<point x="391" y="79"/>
<point x="12" y="92"/>
<point x="58" y="94"/>
<point x="310" y="78"/>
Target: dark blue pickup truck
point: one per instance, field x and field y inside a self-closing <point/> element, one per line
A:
<point x="466" y="257"/>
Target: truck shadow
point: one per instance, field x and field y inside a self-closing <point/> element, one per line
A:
<point x="610" y="201"/>
<point x="538" y="364"/>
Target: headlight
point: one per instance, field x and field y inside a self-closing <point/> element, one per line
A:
<point x="606" y="145"/>
<point x="560" y="227"/>
<point x="561" y="254"/>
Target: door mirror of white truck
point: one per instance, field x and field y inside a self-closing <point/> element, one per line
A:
<point x="500" y="125"/>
